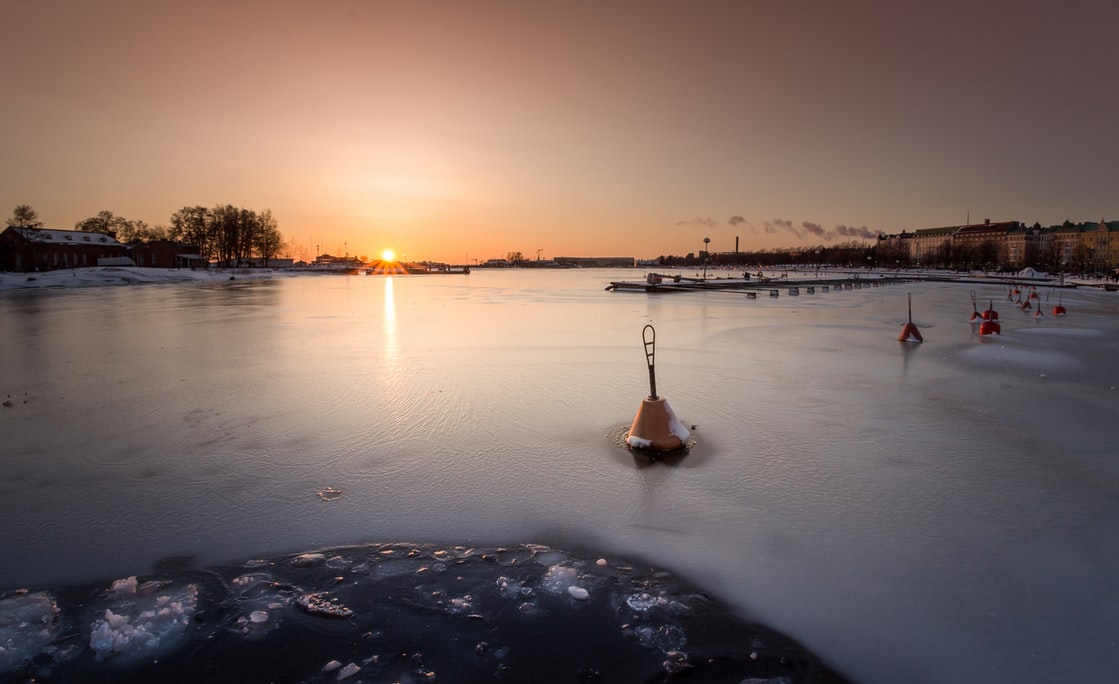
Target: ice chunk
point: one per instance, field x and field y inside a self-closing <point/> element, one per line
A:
<point x="144" y="624"/>
<point x="348" y="671"/>
<point x="123" y="588"/>
<point x="28" y="622"/>
<point x="643" y="602"/>
<point x="319" y="604"/>
<point x="308" y="560"/>
<point x="559" y="578"/>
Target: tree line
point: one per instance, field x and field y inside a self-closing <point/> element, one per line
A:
<point x="225" y="233"/>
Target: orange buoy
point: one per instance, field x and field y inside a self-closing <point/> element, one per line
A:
<point x="1059" y="310"/>
<point x="1038" y="314"/>
<point x="655" y="427"/>
<point x="990" y="314"/>
<point x="909" y="332"/>
<point x="990" y="327"/>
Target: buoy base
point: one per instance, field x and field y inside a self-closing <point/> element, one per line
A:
<point x="656" y="428"/>
<point x="910" y="333"/>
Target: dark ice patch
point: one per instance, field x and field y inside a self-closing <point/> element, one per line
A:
<point x="423" y="613"/>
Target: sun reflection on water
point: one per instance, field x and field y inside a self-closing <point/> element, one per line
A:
<point x="391" y="341"/>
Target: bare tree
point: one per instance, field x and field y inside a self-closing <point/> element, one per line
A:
<point x="25" y="217"/>
<point x="269" y="242"/>
<point x="191" y="225"/>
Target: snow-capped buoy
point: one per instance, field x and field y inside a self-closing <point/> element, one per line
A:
<point x="909" y="332"/>
<point x="655" y="427"/>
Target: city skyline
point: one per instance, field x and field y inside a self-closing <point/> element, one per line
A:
<point x="454" y="132"/>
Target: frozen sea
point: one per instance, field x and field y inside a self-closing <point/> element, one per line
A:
<point x="938" y="512"/>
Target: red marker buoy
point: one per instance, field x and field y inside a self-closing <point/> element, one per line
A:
<point x="990" y="314"/>
<point x="909" y="332"/>
<point x="1059" y="310"/>
<point x="990" y="328"/>
<point x="655" y="427"/>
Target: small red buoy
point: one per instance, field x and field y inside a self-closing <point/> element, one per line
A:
<point x="990" y="314"/>
<point x="990" y="327"/>
<point x="655" y="427"/>
<point x="1059" y="310"/>
<point x="909" y="332"/>
<point x="1038" y="314"/>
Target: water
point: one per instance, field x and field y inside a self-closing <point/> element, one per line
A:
<point x="941" y="512"/>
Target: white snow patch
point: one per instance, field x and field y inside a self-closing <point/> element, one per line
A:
<point x="675" y="426"/>
<point x="638" y="442"/>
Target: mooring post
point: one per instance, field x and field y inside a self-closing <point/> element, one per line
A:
<point x="649" y="336"/>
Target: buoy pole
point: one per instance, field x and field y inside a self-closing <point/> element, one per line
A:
<point x="649" y="337"/>
<point x="909" y="332"/>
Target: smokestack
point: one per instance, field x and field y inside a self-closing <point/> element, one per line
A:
<point x="736" y="244"/>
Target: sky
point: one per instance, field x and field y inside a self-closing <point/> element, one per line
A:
<point x="458" y="131"/>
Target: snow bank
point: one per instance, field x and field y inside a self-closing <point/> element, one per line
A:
<point x="126" y="275"/>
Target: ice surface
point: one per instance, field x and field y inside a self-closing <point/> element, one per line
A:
<point x="836" y="472"/>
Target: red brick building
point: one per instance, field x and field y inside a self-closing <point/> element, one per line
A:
<point x="43" y="249"/>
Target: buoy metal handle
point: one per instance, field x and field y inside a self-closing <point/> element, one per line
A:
<point x="649" y="336"/>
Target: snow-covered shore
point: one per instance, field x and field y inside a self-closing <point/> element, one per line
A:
<point x="128" y="275"/>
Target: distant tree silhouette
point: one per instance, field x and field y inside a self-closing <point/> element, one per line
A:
<point x="23" y="216"/>
<point x="228" y="234"/>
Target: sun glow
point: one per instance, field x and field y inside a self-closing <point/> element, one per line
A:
<point x="388" y="255"/>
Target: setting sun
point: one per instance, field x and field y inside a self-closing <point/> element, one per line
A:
<point x="388" y="255"/>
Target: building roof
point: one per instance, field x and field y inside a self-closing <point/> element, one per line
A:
<point x="67" y="237"/>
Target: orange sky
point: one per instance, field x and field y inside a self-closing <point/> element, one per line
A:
<point x="457" y="131"/>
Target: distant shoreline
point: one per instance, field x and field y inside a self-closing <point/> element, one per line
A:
<point x="99" y="276"/>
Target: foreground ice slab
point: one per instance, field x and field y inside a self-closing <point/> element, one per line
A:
<point x="394" y="613"/>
